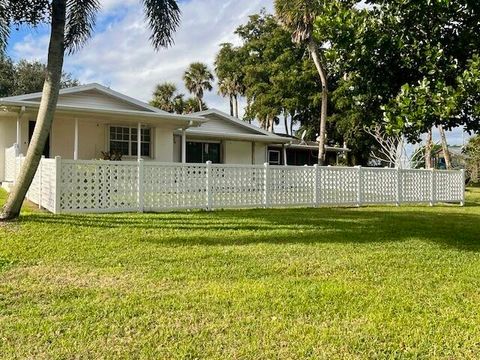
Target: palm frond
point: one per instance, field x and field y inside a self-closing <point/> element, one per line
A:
<point x="81" y="15"/>
<point x="163" y="18"/>
<point x="4" y="24"/>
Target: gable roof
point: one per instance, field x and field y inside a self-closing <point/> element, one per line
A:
<point x="235" y="123"/>
<point x="91" y="96"/>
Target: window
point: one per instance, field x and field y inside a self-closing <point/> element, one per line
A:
<point x="200" y="152"/>
<point x="124" y="140"/>
<point x="274" y="157"/>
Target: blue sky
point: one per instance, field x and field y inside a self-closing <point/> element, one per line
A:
<point x="120" y="56"/>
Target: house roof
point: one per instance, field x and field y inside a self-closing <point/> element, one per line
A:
<point x="225" y="126"/>
<point x="98" y="99"/>
<point x="89" y="89"/>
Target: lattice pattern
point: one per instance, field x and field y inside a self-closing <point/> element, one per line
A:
<point x="174" y="187"/>
<point x="10" y="160"/>
<point x="416" y="186"/>
<point x="98" y="186"/>
<point x="339" y="186"/>
<point x="101" y="186"/>
<point x="48" y="185"/>
<point x="237" y="186"/>
<point x="379" y="186"/>
<point x="290" y="186"/>
<point x="449" y="186"/>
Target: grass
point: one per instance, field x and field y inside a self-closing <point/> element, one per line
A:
<point x="375" y="282"/>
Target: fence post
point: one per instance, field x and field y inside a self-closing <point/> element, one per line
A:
<point x="209" y="185"/>
<point x="360" y="186"/>
<point x="316" y="197"/>
<point x="266" y="184"/>
<point x="462" y="203"/>
<point x="399" y="186"/>
<point x="141" y="185"/>
<point x="432" y="187"/>
<point x="58" y="181"/>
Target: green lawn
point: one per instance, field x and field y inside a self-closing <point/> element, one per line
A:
<point x="376" y="282"/>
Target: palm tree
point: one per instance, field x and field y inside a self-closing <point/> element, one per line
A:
<point x="226" y="87"/>
<point x="198" y="78"/>
<point x="165" y="97"/>
<point x="71" y="23"/>
<point x="298" y="17"/>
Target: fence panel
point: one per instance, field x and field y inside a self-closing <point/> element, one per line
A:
<point x="237" y="186"/>
<point x="10" y="162"/>
<point x="416" y="186"/>
<point x="380" y="186"/>
<point x="98" y="186"/>
<point x="174" y="186"/>
<point x="291" y="186"/>
<point x="339" y="186"/>
<point x="449" y="186"/>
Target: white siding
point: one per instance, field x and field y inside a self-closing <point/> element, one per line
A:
<point x="260" y="153"/>
<point x="95" y="99"/>
<point x="238" y="152"/>
<point x="219" y="125"/>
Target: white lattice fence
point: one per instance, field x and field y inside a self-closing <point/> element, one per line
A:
<point x="98" y="186"/>
<point x="101" y="186"/>
<point x="291" y="186"/>
<point x="379" y="186"/>
<point x="339" y="185"/>
<point x="174" y="186"/>
<point x="10" y="162"/>
<point x="449" y="186"/>
<point x="236" y="186"/>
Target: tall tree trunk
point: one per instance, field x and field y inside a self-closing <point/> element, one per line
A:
<point x="46" y="112"/>
<point x="446" y="153"/>
<point x="291" y="125"/>
<point x="231" y="105"/>
<point x="285" y="121"/>
<point x="313" y="48"/>
<point x="428" y="150"/>
<point x="200" y="106"/>
<point x="235" y="97"/>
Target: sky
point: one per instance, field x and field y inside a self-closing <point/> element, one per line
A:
<point x="120" y="56"/>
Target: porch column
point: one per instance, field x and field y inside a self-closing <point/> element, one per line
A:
<point x="139" y="142"/>
<point x="19" y="127"/>
<point x="75" y="143"/>
<point x="284" y="148"/>
<point x="184" y="146"/>
<point x="19" y="130"/>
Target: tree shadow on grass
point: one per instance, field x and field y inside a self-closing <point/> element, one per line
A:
<point x="459" y="229"/>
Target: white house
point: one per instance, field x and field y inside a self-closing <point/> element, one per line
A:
<point x="91" y="119"/>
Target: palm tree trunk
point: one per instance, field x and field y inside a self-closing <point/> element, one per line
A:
<point x="235" y="97"/>
<point x="46" y="112"/>
<point x="313" y="48"/>
<point x="285" y="121"/>
<point x="200" y="106"/>
<point x="428" y="150"/>
<point x="446" y="153"/>
<point x="291" y="125"/>
<point x="231" y="105"/>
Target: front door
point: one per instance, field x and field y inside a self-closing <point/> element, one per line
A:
<point x="46" y="149"/>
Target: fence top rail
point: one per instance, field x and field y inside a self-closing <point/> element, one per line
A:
<point x="247" y="166"/>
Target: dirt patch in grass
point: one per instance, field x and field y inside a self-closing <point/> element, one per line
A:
<point x="55" y="276"/>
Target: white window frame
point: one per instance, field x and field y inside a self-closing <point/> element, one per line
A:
<point x="279" y="157"/>
<point x="133" y="130"/>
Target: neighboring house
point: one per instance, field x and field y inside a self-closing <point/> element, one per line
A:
<point x="91" y="119"/>
<point x="459" y="160"/>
